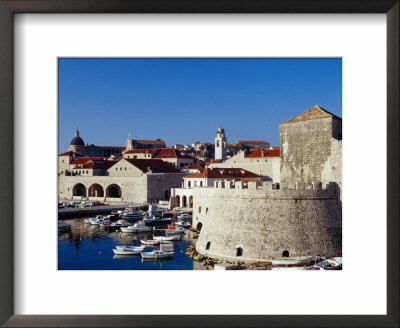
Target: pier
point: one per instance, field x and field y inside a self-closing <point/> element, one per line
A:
<point x="74" y="212"/>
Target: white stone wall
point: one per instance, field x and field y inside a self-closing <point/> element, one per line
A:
<point x="124" y="169"/>
<point x="265" y="222"/>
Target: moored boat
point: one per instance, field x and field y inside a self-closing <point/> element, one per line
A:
<point x="295" y="260"/>
<point x="136" y="228"/>
<point x="334" y="263"/>
<point x="167" y="238"/>
<point x="156" y="254"/>
<point x="149" y="242"/>
<point x="154" y="221"/>
<point x="127" y="251"/>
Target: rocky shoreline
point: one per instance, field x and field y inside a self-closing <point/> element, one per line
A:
<point x="209" y="262"/>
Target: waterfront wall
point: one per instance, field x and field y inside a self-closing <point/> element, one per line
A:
<point x="259" y="223"/>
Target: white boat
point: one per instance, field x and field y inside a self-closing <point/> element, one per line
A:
<point x="97" y="220"/>
<point x="136" y="228"/>
<point x="182" y="224"/>
<point x="132" y="215"/>
<point x="149" y="242"/>
<point x="127" y="251"/>
<point x="334" y="263"/>
<point x="185" y="216"/>
<point x="176" y="231"/>
<point x="295" y="260"/>
<point x="123" y="223"/>
<point x="156" y="254"/>
<point x="129" y="247"/>
<point x="153" y="220"/>
<point x="167" y="238"/>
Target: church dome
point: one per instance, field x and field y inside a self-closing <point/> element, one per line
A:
<point x="77" y="140"/>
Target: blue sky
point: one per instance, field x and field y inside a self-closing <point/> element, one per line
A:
<point x="183" y="100"/>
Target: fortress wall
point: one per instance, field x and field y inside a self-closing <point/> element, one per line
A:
<point x="265" y="222"/>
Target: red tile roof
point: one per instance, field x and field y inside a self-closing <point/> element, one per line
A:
<point x="167" y="153"/>
<point x="223" y="173"/>
<point x="142" y="151"/>
<point x="196" y="166"/>
<point x="263" y="153"/>
<point x="98" y="165"/>
<point x="155" y="165"/>
<point x="151" y="142"/>
<point x="84" y="160"/>
<point x="68" y="153"/>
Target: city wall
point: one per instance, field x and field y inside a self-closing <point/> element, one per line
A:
<point x="257" y="223"/>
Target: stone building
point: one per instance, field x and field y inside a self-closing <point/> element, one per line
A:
<point x="265" y="162"/>
<point x="78" y="146"/>
<point x="311" y="147"/>
<point x="183" y="197"/>
<point x="123" y="181"/>
<point x="169" y="155"/>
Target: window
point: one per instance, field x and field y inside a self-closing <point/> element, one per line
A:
<point x="206" y="210"/>
<point x="195" y="183"/>
<point x="201" y="183"/>
<point x="208" y="246"/>
<point x="87" y="172"/>
<point x="239" y="251"/>
<point x="116" y="169"/>
<point x="125" y="168"/>
<point x="189" y="184"/>
<point x="199" y="209"/>
<point x="120" y="168"/>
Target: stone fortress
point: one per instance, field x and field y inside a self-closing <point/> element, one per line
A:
<point x="257" y="221"/>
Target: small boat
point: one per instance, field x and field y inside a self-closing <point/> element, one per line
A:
<point x="97" y="220"/>
<point x="136" y="228"/>
<point x="153" y="220"/>
<point x="127" y="251"/>
<point x="185" y="216"/>
<point x="129" y="247"/>
<point x="149" y="242"/>
<point x="182" y="224"/>
<point x="132" y="215"/>
<point x="105" y="223"/>
<point x="167" y="238"/>
<point x="123" y="223"/>
<point x="177" y="231"/>
<point x="295" y="260"/>
<point x="156" y="254"/>
<point x="334" y="263"/>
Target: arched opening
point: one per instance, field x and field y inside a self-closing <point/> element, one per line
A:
<point x="177" y="201"/>
<point x="191" y="201"/>
<point x="184" y="201"/>
<point x="166" y="195"/>
<point x="114" y="191"/>
<point x="95" y="190"/>
<point x="79" y="190"/>
<point x="199" y="226"/>
<point x="285" y="254"/>
<point x="239" y="251"/>
<point x="208" y="246"/>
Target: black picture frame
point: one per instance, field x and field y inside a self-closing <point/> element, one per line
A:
<point x="7" y="10"/>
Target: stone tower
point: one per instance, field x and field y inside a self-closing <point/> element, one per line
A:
<point x="311" y="147"/>
<point x="220" y="145"/>
<point x="77" y="145"/>
<point x="129" y="144"/>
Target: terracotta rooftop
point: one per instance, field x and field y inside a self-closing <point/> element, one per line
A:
<point x="313" y="113"/>
<point x="84" y="160"/>
<point x="98" y="165"/>
<point x="155" y="165"/>
<point x="263" y="153"/>
<point x="223" y="173"/>
<point x="151" y="142"/>
<point x="68" y="153"/>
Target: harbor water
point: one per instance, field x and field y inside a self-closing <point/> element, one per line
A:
<point x="89" y="247"/>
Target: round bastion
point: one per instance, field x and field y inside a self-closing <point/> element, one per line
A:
<point x="252" y="222"/>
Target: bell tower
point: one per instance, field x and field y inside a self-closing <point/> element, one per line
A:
<point x="220" y="145"/>
<point x="129" y="145"/>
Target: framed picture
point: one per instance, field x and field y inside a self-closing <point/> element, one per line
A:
<point x="217" y="296"/>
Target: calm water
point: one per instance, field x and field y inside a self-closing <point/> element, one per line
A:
<point x="90" y="248"/>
